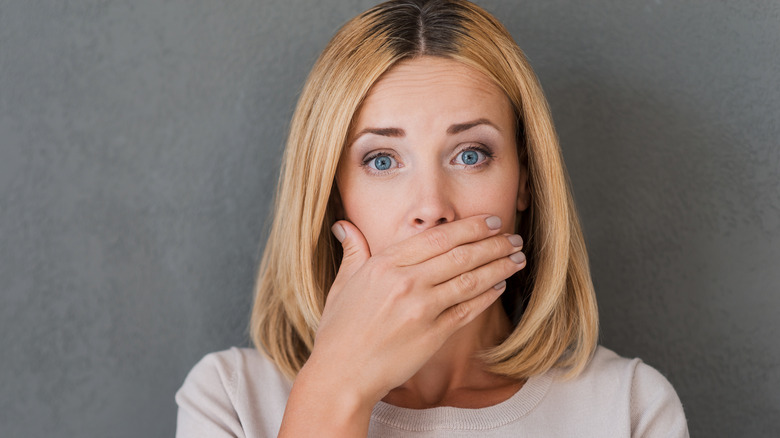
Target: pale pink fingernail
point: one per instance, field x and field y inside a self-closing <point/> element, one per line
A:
<point x="339" y="232"/>
<point x="500" y="286"/>
<point x="493" y="222"/>
<point x="517" y="257"/>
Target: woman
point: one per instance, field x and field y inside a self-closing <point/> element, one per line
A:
<point x="422" y="181"/>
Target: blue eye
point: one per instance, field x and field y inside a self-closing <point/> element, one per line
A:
<point x="381" y="162"/>
<point x="470" y="157"/>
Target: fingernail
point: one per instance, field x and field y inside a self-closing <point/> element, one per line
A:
<point x="339" y="232"/>
<point x="500" y="286"/>
<point x="493" y="222"/>
<point x="515" y="240"/>
<point x="517" y="257"/>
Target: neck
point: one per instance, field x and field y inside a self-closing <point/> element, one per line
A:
<point x="454" y="376"/>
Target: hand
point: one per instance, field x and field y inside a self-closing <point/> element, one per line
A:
<point x="387" y="314"/>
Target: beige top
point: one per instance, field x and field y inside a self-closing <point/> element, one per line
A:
<point x="240" y="393"/>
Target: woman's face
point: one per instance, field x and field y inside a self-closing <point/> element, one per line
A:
<point x="433" y="142"/>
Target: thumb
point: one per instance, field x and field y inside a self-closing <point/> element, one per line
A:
<point x="356" y="251"/>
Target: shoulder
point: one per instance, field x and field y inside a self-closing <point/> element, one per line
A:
<point x="607" y="367"/>
<point x="230" y="391"/>
<point x="226" y="368"/>
<point x="645" y="383"/>
<point x="607" y="372"/>
<point x="626" y="393"/>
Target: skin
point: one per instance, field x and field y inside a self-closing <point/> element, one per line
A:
<point x="414" y="297"/>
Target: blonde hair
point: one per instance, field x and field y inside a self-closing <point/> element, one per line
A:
<point x="553" y="304"/>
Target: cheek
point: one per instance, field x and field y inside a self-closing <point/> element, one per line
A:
<point x="372" y="212"/>
<point x="496" y="195"/>
<point x="500" y="202"/>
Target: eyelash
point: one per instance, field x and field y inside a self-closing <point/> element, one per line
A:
<point x="371" y="157"/>
<point x="478" y="148"/>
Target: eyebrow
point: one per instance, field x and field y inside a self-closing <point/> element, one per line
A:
<point x="460" y="127"/>
<point x="398" y="132"/>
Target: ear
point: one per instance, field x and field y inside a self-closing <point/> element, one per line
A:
<point x="523" y="191"/>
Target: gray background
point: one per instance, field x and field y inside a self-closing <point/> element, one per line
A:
<point x="140" y="142"/>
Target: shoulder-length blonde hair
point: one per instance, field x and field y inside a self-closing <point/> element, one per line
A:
<point x="552" y="303"/>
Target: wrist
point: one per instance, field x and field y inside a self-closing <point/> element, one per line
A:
<point x="335" y="387"/>
<point x="323" y="405"/>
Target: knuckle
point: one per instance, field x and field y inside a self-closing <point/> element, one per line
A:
<point x="395" y="294"/>
<point x="460" y="311"/>
<point x="405" y="283"/>
<point x="467" y="281"/>
<point x="415" y="313"/>
<point x="401" y="287"/>
<point x="460" y="256"/>
<point x="498" y="245"/>
<point x="477" y="228"/>
<point x="437" y="239"/>
<point x="350" y="251"/>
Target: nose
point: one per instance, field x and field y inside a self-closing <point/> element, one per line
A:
<point x="431" y="203"/>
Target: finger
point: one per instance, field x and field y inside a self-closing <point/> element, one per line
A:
<point x="355" y="249"/>
<point x="468" y="257"/>
<point x="442" y="238"/>
<point x="468" y="285"/>
<point x="464" y="312"/>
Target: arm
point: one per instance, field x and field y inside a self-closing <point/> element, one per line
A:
<point x="320" y="407"/>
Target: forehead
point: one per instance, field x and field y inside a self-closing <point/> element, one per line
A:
<point x="434" y="85"/>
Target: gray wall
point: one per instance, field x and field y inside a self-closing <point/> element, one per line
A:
<point x="140" y="141"/>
